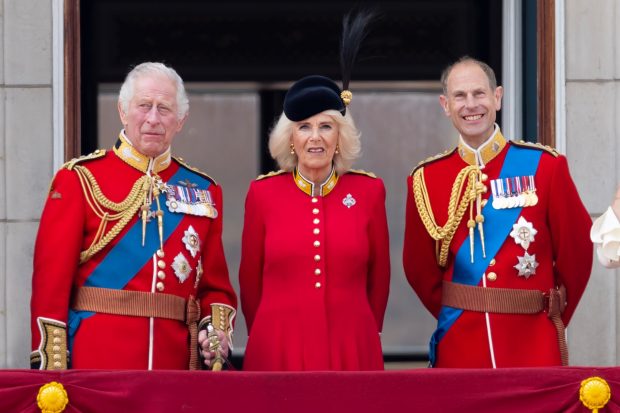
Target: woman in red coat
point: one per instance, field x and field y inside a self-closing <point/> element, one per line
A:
<point x="315" y="267"/>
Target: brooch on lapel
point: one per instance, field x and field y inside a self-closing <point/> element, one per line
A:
<point x="349" y="201"/>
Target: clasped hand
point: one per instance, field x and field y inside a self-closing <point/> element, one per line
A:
<point x="210" y="346"/>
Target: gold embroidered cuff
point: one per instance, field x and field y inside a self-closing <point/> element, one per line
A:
<point x="222" y="317"/>
<point x="52" y="353"/>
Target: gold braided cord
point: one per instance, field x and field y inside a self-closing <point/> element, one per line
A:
<point x="456" y="207"/>
<point x="97" y="201"/>
<point x="141" y="184"/>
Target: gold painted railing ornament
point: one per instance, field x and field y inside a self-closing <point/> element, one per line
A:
<point x="594" y="393"/>
<point x="52" y="398"/>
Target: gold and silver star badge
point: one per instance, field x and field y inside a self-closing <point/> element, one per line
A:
<point x="527" y="265"/>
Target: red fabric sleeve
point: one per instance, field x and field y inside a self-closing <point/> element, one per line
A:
<point x="569" y="224"/>
<point x="419" y="257"/>
<point x="57" y="251"/>
<point x="378" y="286"/>
<point x="252" y="257"/>
<point x="215" y="285"/>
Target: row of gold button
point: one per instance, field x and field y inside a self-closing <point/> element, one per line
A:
<point x="161" y="264"/>
<point x="316" y="243"/>
<point x="491" y="276"/>
<point x="57" y="349"/>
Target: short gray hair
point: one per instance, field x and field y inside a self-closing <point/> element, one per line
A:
<point x="349" y="142"/>
<point x="150" y="68"/>
<point x="488" y="71"/>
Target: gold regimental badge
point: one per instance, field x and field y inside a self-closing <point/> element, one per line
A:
<point x="594" y="393"/>
<point x="52" y="398"/>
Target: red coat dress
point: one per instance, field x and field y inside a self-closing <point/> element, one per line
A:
<point x="314" y="273"/>
<point x="68" y="226"/>
<point x="561" y="247"/>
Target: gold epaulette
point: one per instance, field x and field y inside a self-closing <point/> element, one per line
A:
<point x="270" y="174"/>
<point x="99" y="153"/>
<point x="432" y="159"/>
<point x="362" y="172"/>
<point x="193" y="169"/>
<point x="531" y="145"/>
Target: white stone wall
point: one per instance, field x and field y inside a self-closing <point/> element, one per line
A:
<point x="592" y="55"/>
<point x="25" y="161"/>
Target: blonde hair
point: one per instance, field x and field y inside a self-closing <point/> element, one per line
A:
<point x="349" y="142"/>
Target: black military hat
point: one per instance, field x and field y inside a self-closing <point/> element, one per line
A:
<point x="311" y="95"/>
<point x="315" y="94"/>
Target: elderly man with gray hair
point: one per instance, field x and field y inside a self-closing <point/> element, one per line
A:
<point x="129" y="269"/>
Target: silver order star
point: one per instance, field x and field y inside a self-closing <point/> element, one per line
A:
<point x="181" y="267"/>
<point x="527" y="265"/>
<point x="191" y="241"/>
<point x="523" y="232"/>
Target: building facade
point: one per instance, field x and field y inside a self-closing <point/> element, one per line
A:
<point x="587" y="74"/>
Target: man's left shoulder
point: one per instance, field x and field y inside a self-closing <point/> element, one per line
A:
<point x="536" y="146"/>
<point x="193" y="169"/>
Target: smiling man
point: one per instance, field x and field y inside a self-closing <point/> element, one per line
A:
<point x="496" y="238"/>
<point x="129" y="269"/>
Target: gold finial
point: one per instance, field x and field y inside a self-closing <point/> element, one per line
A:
<point x="52" y="398"/>
<point x="594" y="393"/>
<point x="346" y="97"/>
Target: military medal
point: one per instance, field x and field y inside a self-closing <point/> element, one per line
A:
<point x="499" y="198"/>
<point x="527" y="265"/>
<point x="191" y="241"/>
<point x="520" y="197"/>
<point x="532" y="188"/>
<point x="186" y="198"/>
<point x="514" y="192"/>
<point x="348" y="201"/>
<point x="181" y="267"/>
<point x="495" y="203"/>
<point x="523" y="233"/>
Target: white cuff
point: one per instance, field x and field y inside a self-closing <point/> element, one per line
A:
<point x="605" y="233"/>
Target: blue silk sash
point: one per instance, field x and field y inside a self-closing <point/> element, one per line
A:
<point x="518" y="162"/>
<point x="128" y="256"/>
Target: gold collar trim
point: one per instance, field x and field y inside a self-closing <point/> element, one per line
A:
<point x="307" y="186"/>
<point x="486" y="152"/>
<point x="130" y="155"/>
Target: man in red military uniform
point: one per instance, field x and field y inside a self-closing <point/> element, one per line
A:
<point x="496" y="238"/>
<point x="129" y="268"/>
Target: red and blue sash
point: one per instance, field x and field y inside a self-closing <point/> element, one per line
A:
<point x="518" y="162"/>
<point x="128" y="256"/>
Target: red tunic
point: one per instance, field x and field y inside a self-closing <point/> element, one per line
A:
<point x="68" y="226"/>
<point x="561" y="246"/>
<point x="314" y="274"/>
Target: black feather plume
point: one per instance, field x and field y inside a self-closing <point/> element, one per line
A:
<point x="354" y="31"/>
